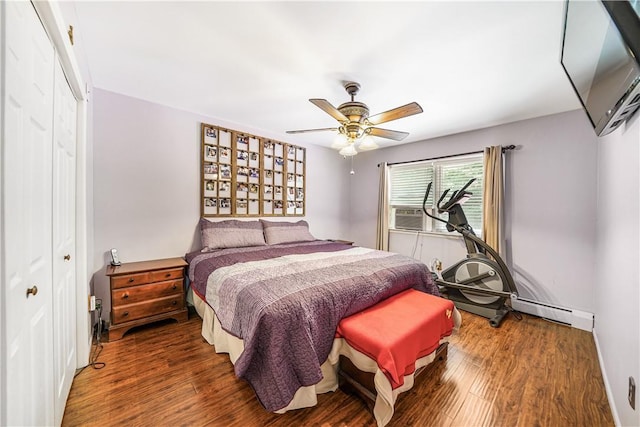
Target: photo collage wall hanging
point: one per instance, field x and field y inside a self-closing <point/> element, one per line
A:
<point x="246" y="175"/>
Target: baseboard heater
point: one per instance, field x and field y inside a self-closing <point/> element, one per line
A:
<point x="574" y="318"/>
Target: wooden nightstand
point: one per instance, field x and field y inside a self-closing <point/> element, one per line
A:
<point x="145" y="292"/>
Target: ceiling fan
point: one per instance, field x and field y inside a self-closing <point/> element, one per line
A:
<point x="356" y="125"/>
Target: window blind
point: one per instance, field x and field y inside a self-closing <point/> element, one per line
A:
<point x="408" y="183"/>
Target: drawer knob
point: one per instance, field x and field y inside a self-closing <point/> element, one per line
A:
<point x="174" y="287"/>
<point x="67" y="257"/>
<point x="125" y="314"/>
<point x="125" y="296"/>
<point x="167" y="275"/>
<point x="32" y="291"/>
<point x="175" y="302"/>
<point x="131" y="279"/>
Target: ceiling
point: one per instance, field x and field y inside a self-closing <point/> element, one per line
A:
<point x="469" y="65"/>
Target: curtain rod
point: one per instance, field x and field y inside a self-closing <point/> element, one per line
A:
<point x="508" y="147"/>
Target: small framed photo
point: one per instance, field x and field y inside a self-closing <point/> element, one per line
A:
<point x="210" y="136"/>
<point x="211" y="169"/>
<point x="211" y="152"/>
<point x="254" y="207"/>
<point x="225" y="172"/>
<point x="224" y="138"/>
<point x="278" y="149"/>
<point x="225" y="155"/>
<point x="254" y="144"/>
<point x="242" y="141"/>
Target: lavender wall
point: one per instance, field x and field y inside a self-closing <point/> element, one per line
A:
<point x="146" y="193"/>
<point x="550" y="212"/>
<point x="617" y="289"/>
<point x="146" y="203"/>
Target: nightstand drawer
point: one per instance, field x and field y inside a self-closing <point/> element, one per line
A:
<point x="124" y="296"/>
<point x="130" y="280"/>
<point x="145" y="292"/>
<point x="157" y="276"/>
<point x="145" y="309"/>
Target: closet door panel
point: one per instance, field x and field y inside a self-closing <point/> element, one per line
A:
<point x="64" y="241"/>
<point x="26" y="180"/>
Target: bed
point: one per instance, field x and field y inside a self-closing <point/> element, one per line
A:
<point x="271" y="296"/>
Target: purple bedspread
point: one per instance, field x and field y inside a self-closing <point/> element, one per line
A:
<point x="285" y="303"/>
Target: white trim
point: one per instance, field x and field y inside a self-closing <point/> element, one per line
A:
<point x="51" y="18"/>
<point x="3" y="382"/>
<point x="607" y="386"/>
<point x="83" y="316"/>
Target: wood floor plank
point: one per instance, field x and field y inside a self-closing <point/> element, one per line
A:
<point x="525" y="373"/>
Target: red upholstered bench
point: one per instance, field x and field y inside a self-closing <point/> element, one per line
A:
<point x="388" y="341"/>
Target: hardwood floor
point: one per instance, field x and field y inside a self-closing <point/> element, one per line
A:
<point x="527" y="373"/>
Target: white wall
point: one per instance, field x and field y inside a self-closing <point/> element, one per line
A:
<point x="550" y="204"/>
<point x="617" y="289"/>
<point x="146" y="160"/>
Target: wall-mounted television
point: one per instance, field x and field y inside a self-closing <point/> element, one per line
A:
<point x="601" y="56"/>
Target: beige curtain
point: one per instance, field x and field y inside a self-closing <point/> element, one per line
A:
<point x="493" y="197"/>
<point x="382" y="231"/>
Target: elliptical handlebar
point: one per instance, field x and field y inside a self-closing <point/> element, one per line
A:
<point x="456" y="197"/>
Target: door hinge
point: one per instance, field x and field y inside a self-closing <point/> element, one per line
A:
<point x="70" y="32"/>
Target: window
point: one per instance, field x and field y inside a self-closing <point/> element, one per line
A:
<point x="408" y="183"/>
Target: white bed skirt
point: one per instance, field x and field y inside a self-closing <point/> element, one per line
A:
<point x="306" y="397"/>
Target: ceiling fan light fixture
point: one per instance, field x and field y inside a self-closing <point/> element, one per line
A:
<point x="340" y="141"/>
<point x="367" y="143"/>
<point x="356" y="126"/>
<point x="349" y="150"/>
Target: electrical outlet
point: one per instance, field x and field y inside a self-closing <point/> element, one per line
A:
<point x="92" y="303"/>
<point x="632" y="393"/>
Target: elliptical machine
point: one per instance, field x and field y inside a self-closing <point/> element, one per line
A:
<point x="477" y="284"/>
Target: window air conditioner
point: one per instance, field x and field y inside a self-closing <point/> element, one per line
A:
<point x="408" y="219"/>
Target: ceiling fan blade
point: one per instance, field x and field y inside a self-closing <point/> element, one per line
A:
<point x="311" y="130"/>
<point x="326" y="106"/>
<point x="396" y="113"/>
<point x="396" y="135"/>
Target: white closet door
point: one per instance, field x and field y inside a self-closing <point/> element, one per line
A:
<point x="26" y="169"/>
<point x="64" y="241"/>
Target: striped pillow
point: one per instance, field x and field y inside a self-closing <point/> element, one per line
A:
<point x="230" y="234"/>
<point x="286" y="232"/>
